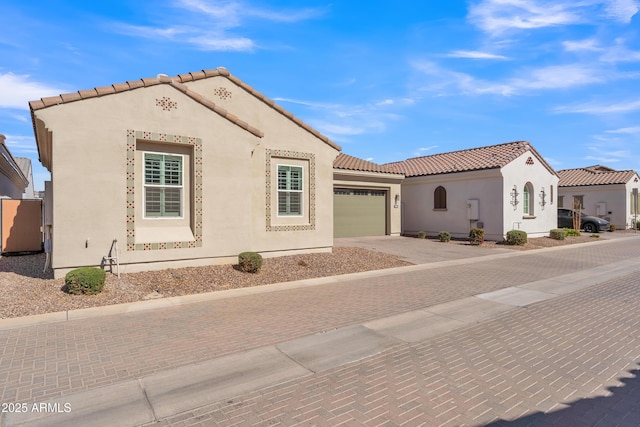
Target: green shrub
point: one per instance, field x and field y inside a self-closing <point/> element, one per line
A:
<point x="85" y="280"/>
<point x="444" y="236"/>
<point x="250" y="262"/>
<point x="558" y="234"/>
<point x="516" y="237"/>
<point x="572" y="233"/>
<point x="476" y="236"/>
<point x="421" y="234"/>
<point x="612" y="227"/>
<point x="597" y="236"/>
<point x="638" y="225"/>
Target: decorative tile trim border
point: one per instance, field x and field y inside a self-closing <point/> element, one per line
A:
<point x="311" y="158"/>
<point x="132" y="137"/>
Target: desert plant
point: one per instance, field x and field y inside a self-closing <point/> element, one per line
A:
<point x="612" y="227"/>
<point x="476" y="236"/>
<point x="516" y="237"/>
<point x="85" y="280"/>
<point x="444" y="236"/>
<point x="249" y="262"/>
<point x="422" y="234"/>
<point x="572" y="232"/>
<point x="558" y="234"/>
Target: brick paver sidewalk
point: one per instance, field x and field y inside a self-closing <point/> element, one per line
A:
<point x="570" y="361"/>
<point x="43" y="361"/>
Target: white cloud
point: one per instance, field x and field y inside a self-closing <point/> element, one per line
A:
<point x="620" y="53"/>
<point x="588" y="45"/>
<point x="17" y="90"/>
<point x="628" y="130"/>
<point x="498" y="16"/>
<point x="621" y="10"/>
<point x="422" y="151"/>
<point x="341" y="121"/>
<point x="207" y="24"/>
<point x="234" y="12"/>
<point x="600" y="108"/>
<point x="471" y="54"/>
<point x="446" y="82"/>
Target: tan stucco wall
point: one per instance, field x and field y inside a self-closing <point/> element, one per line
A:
<point x="375" y="181"/>
<point x="89" y="174"/>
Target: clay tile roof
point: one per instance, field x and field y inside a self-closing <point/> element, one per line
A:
<point x="345" y="161"/>
<point x="593" y="175"/>
<point x="490" y="157"/>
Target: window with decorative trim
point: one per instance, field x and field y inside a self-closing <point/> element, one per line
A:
<point x="440" y="198"/>
<point x="290" y="190"/>
<point x="528" y="199"/>
<point x="163" y="185"/>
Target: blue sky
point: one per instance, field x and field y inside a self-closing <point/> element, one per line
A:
<point x="385" y="80"/>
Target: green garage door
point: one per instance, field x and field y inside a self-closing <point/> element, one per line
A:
<point x="359" y="212"/>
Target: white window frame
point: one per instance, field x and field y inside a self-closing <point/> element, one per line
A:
<point x="528" y="200"/>
<point x="145" y="186"/>
<point x="301" y="191"/>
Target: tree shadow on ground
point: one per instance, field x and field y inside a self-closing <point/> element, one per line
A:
<point x="621" y="408"/>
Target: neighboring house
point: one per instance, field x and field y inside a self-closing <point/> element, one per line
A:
<point x="601" y="191"/>
<point x="24" y="163"/>
<point x="366" y="198"/>
<point x="499" y="188"/>
<point x="181" y="171"/>
<point x="13" y="181"/>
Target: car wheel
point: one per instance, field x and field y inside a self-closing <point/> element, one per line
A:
<point x="589" y="227"/>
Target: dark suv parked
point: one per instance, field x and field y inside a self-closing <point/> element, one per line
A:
<point x="590" y="224"/>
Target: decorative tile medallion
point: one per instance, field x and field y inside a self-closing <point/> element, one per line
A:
<point x="132" y="137"/>
<point x="222" y="93"/>
<point x="166" y="104"/>
<point x="311" y="158"/>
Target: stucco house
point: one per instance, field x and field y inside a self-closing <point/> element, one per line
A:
<point x="601" y="191"/>
<point x="13" y="180"/>
<point x="180" y="171"/>
<point x="366" y="198"/>
<point x="499" y="188"/>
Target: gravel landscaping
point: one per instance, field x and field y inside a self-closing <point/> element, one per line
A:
<point x="25" y="290"/>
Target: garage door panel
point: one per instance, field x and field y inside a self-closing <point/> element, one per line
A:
<point x="359" y="213"/>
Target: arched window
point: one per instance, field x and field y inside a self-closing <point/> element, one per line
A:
<point x="440" y="198"/>
<point x="527" y="199"/>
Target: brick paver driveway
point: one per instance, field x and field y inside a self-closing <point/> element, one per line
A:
<point x="550" y="356"/>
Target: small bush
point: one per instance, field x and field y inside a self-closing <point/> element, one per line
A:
<point x="249" y="262"/>
<point x="597" y="236"/>
<point x="421" y="234"/>
<point x="516" y="237"/>
<point x="571" y="232"/>
<point x="444" y="236"/>
<point x="638" y="225"/>
<point x="85" y="280"/>
<point x="558" y="234"/>
<point x="476" y="236"/>
<point x="612" y="227"/>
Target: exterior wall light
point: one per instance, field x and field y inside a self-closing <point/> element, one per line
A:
<point x="514" y="197"/>
<point x="543" y="197"/>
